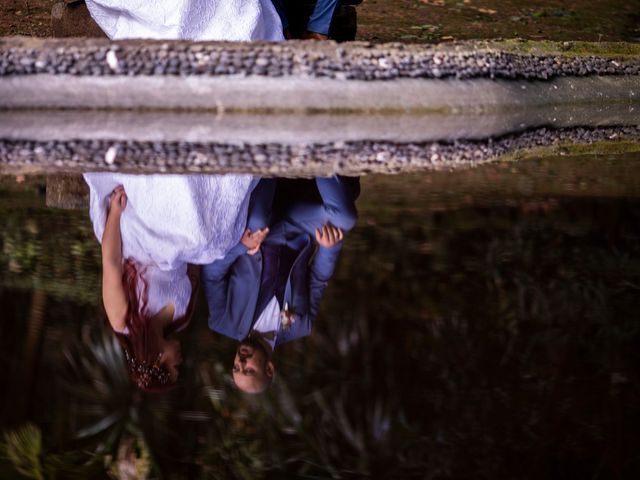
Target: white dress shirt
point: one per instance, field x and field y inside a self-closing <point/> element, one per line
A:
<point x="269" y="320"/>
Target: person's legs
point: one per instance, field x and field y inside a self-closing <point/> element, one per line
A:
<point x="337" y="207"/>
<point x="279" y="4"/>
<point x="320" y="20"/>
<point x="338" y="199"/>
<point x="260" y="204"/>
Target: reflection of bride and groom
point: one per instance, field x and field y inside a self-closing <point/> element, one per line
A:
<point x="265" y="263"/>
<point x="155" y="229"/>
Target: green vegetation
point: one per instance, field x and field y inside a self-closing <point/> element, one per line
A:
<point x="25" y="457"/>
<point x="456" y="336"/>
<point x="23" y="449"/>
<point x="39" y="250"/>
<point x="574" y="150"/>
<point x="622" y="50"/>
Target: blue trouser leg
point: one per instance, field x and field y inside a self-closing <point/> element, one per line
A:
<point x="281" y="12"/>
<point x="337" y="207"/>
<point x="320" y="20"/>
<point x="260" y="204"/>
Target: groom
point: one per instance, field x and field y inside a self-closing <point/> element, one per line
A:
<point x="319" y="23"/>
<point x="266" y="291"/>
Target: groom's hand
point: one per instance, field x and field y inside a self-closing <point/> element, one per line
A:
<point x="253" y="240"/>
<point x="329" y="236"/>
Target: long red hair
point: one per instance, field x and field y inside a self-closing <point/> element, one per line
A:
<point x="141" y="347"/>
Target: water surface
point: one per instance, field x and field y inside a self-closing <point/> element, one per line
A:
<point x="479" y="324"/>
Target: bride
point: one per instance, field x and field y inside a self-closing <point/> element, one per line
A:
<point x="155" y="228"/>
<point x="231" y="20"/>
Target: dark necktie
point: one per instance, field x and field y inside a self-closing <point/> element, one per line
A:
<point x="266" y="335"/>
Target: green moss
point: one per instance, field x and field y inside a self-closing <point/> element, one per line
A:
<point x="623" y="50"/>
<point x="575" y="149"/>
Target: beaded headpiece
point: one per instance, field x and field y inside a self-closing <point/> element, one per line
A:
<point x="144" y="373"/>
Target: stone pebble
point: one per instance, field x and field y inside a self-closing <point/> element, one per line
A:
<point x="355" y="158"/>
<point x="344" y="62"/>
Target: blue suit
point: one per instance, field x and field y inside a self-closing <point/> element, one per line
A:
<point x="320" y="20"/>
<point x="233" y="284"/>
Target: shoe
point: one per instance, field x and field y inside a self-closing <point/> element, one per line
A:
<point x="314" y="36"/>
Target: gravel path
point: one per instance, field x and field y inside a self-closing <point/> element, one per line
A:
<point x="284" y="159"/>
<point x="356" y="61"/>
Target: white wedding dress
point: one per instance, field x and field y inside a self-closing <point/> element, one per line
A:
<point x="170" y="221"/>
<point x="231" y="20"/>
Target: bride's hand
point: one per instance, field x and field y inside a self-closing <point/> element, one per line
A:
<point x="253" y="240"/>
<point x="118" y="200"/>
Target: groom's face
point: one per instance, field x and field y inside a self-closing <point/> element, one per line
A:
<point x="252" y="370"/>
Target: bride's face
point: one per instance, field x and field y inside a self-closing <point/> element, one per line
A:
<point x="171" y="357"/>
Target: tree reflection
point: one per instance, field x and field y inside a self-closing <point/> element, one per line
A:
<point x="478" y="342"/>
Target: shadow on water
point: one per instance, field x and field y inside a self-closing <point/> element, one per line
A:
<point x="483" y="331"/>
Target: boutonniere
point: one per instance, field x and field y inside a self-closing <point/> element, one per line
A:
<point x="287" y="317"/>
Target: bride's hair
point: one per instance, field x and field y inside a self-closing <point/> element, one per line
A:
<point x="141" y="349"/>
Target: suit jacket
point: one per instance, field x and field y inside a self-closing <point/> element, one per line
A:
<point x="232" y="285"/>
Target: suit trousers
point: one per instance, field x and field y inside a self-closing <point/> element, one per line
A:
<point x="260" y="204"/>
<point x="320" y="20"/>
<point x="337" y="207"/>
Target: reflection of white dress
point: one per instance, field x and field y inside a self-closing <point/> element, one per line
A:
<point x="236" y="20"/>
<point x="172" y="220"/>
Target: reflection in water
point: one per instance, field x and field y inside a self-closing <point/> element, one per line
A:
<point x="270" y="294"/>
<point x="151" y="228"/>
<point x="262" y="287"/>
<point x="457" y="339"/>
<point x="410" y="148"/>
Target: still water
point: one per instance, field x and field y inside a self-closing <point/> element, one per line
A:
<point x="477" y="324"/>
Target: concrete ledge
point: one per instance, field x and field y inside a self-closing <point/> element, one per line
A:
<point x="312" y="109"/>
<point x="302" y="76"/>
<point x="295" y="94"/>
<point x="348" y="61"/>
<point x="273" y="159"/>
<point x="220" y="127"/>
